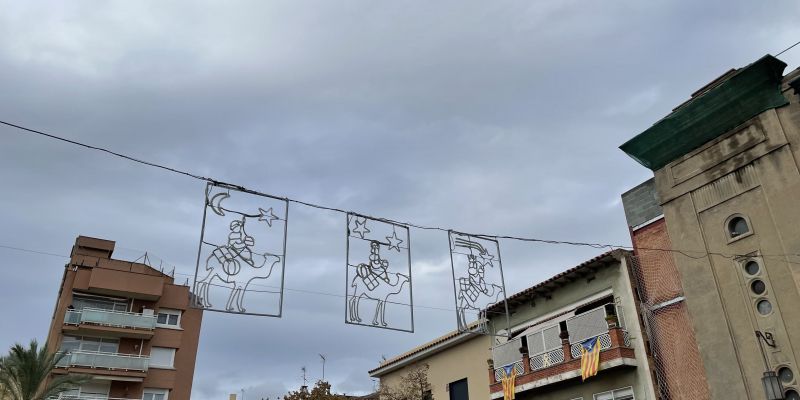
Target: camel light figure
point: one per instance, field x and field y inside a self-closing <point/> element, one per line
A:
<point x="237" y="265"/>
<point x="373" y="281"/>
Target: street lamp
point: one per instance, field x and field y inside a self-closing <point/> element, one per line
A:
<point x="772" y="385"/>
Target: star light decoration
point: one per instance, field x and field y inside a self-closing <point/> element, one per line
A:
<point x="361" y="227"/>
<point x="267" y="216"/>
<point x="394" y="241"/>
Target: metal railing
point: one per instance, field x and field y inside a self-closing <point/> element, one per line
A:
<point x="96" y="359"/>
<point x="545" y="345"/>
<point x="547" y="359"/>
<point x="85" y="397"/>
<point x="103" y="317"/>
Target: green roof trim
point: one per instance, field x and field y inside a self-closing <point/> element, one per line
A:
<point x="745" y="94"/>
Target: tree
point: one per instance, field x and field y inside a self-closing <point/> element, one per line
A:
<point x="24" y="374"/>
<point x="413" y="385"/>
<point x="320" y="391"/>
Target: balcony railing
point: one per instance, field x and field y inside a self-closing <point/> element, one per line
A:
<point x="85" y="397"/>
<point x="545" y="346"/>
<point x="96" y="359"/>
<point x="119" y="319"/>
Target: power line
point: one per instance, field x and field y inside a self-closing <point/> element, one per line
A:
<point x="328" y="294"/>
<point x="340" y="210"/>
<point x="787" y="49"/>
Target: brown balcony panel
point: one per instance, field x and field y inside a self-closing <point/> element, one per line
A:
<point x="86" y="329"/>
<point x="115" y="282"/>
<point x="615" y="357"/>
<point x="113" y="374"/>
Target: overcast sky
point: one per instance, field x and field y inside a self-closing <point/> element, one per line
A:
<point x="499" y="117"/>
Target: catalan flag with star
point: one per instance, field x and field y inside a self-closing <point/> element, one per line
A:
<point x="508" y="382"/>
<point x="590" y="357"/>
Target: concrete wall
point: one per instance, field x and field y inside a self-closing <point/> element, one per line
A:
<point x="641" y="203"/>
<point x="465" y="360"/>
<point x="752" y="171"/>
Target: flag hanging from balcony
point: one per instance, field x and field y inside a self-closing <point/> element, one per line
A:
<point x="590" y="357"/>
<point x="509" y="373"/>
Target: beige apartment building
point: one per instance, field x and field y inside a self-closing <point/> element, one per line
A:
<point x="550" y="320"/>
<point x="127" y="325"/>
<point x="726" y="190"/>
<point x="456" y="366"/>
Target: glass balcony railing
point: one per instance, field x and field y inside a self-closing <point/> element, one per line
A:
<point x="85" y="397"/>
<point x="93" y="359"/>
<point x="110" y="318"/>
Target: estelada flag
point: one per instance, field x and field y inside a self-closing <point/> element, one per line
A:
<point x="590" y="357"/>
<point x="508" y="382"/>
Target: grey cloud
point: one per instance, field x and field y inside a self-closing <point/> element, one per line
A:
<point x="499" y="117"/>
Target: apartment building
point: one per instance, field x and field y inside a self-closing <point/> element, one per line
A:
<point x="724" y="196"/>
<point x="127" y="325"/>
<point x="548" y="323"/>
<point x="455" y="364"/>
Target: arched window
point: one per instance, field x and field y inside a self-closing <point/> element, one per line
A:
<point x="737" y="226"/>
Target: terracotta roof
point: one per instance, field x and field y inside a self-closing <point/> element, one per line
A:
<point x="533" y="291"/>
<point x="421" y="348"/>
<point x="545" y="287"/>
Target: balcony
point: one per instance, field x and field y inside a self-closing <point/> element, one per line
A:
<point x="107" y="361"/>
<point x="548" y="356"/>
<point x="113" y="323"/>
<point x="85" y="397"/>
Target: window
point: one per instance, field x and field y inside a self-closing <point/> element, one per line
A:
<point x="764" y="307"/>
<point x="81" y="302"/>
<point x="758" y="286"/>
<point x="786" y="374"/>
<point x="155" y="394"/>
<point x="459" y="390"/>
<point x="619" y="394"/>
<point x="103" y="345"/>
<point x="162" y="357"/>
<point x="168" y="318"/>
<point x="737" y="226"/>
<point x="752" y="267"/>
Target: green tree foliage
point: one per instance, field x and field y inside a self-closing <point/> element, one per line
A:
<point x="24" y="372"/>
<point x="413" y="385"/>
<point x="320" y="391"/>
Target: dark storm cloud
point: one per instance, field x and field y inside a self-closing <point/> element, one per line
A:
<point x="500" y="117"/>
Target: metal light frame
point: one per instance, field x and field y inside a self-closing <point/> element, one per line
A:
<point x="213" y="202"/>
<point x="473" y="242"/>
<point x="366" y="271"/>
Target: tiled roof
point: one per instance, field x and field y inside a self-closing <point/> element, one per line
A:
<point x="547" y="286"/>
<point x="441" y="339"/>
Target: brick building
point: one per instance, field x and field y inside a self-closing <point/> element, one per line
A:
<point x="127" y="325"/>
<point x="727" y="180"/>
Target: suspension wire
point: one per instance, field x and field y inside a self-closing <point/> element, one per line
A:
<point x="686" y="253"/>
<point x="304" y="291"/>
<point x="787" y="49"/>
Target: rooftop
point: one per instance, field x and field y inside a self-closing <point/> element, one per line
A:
<point x="546" y="287"/>
<point x="716" y="108"/>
